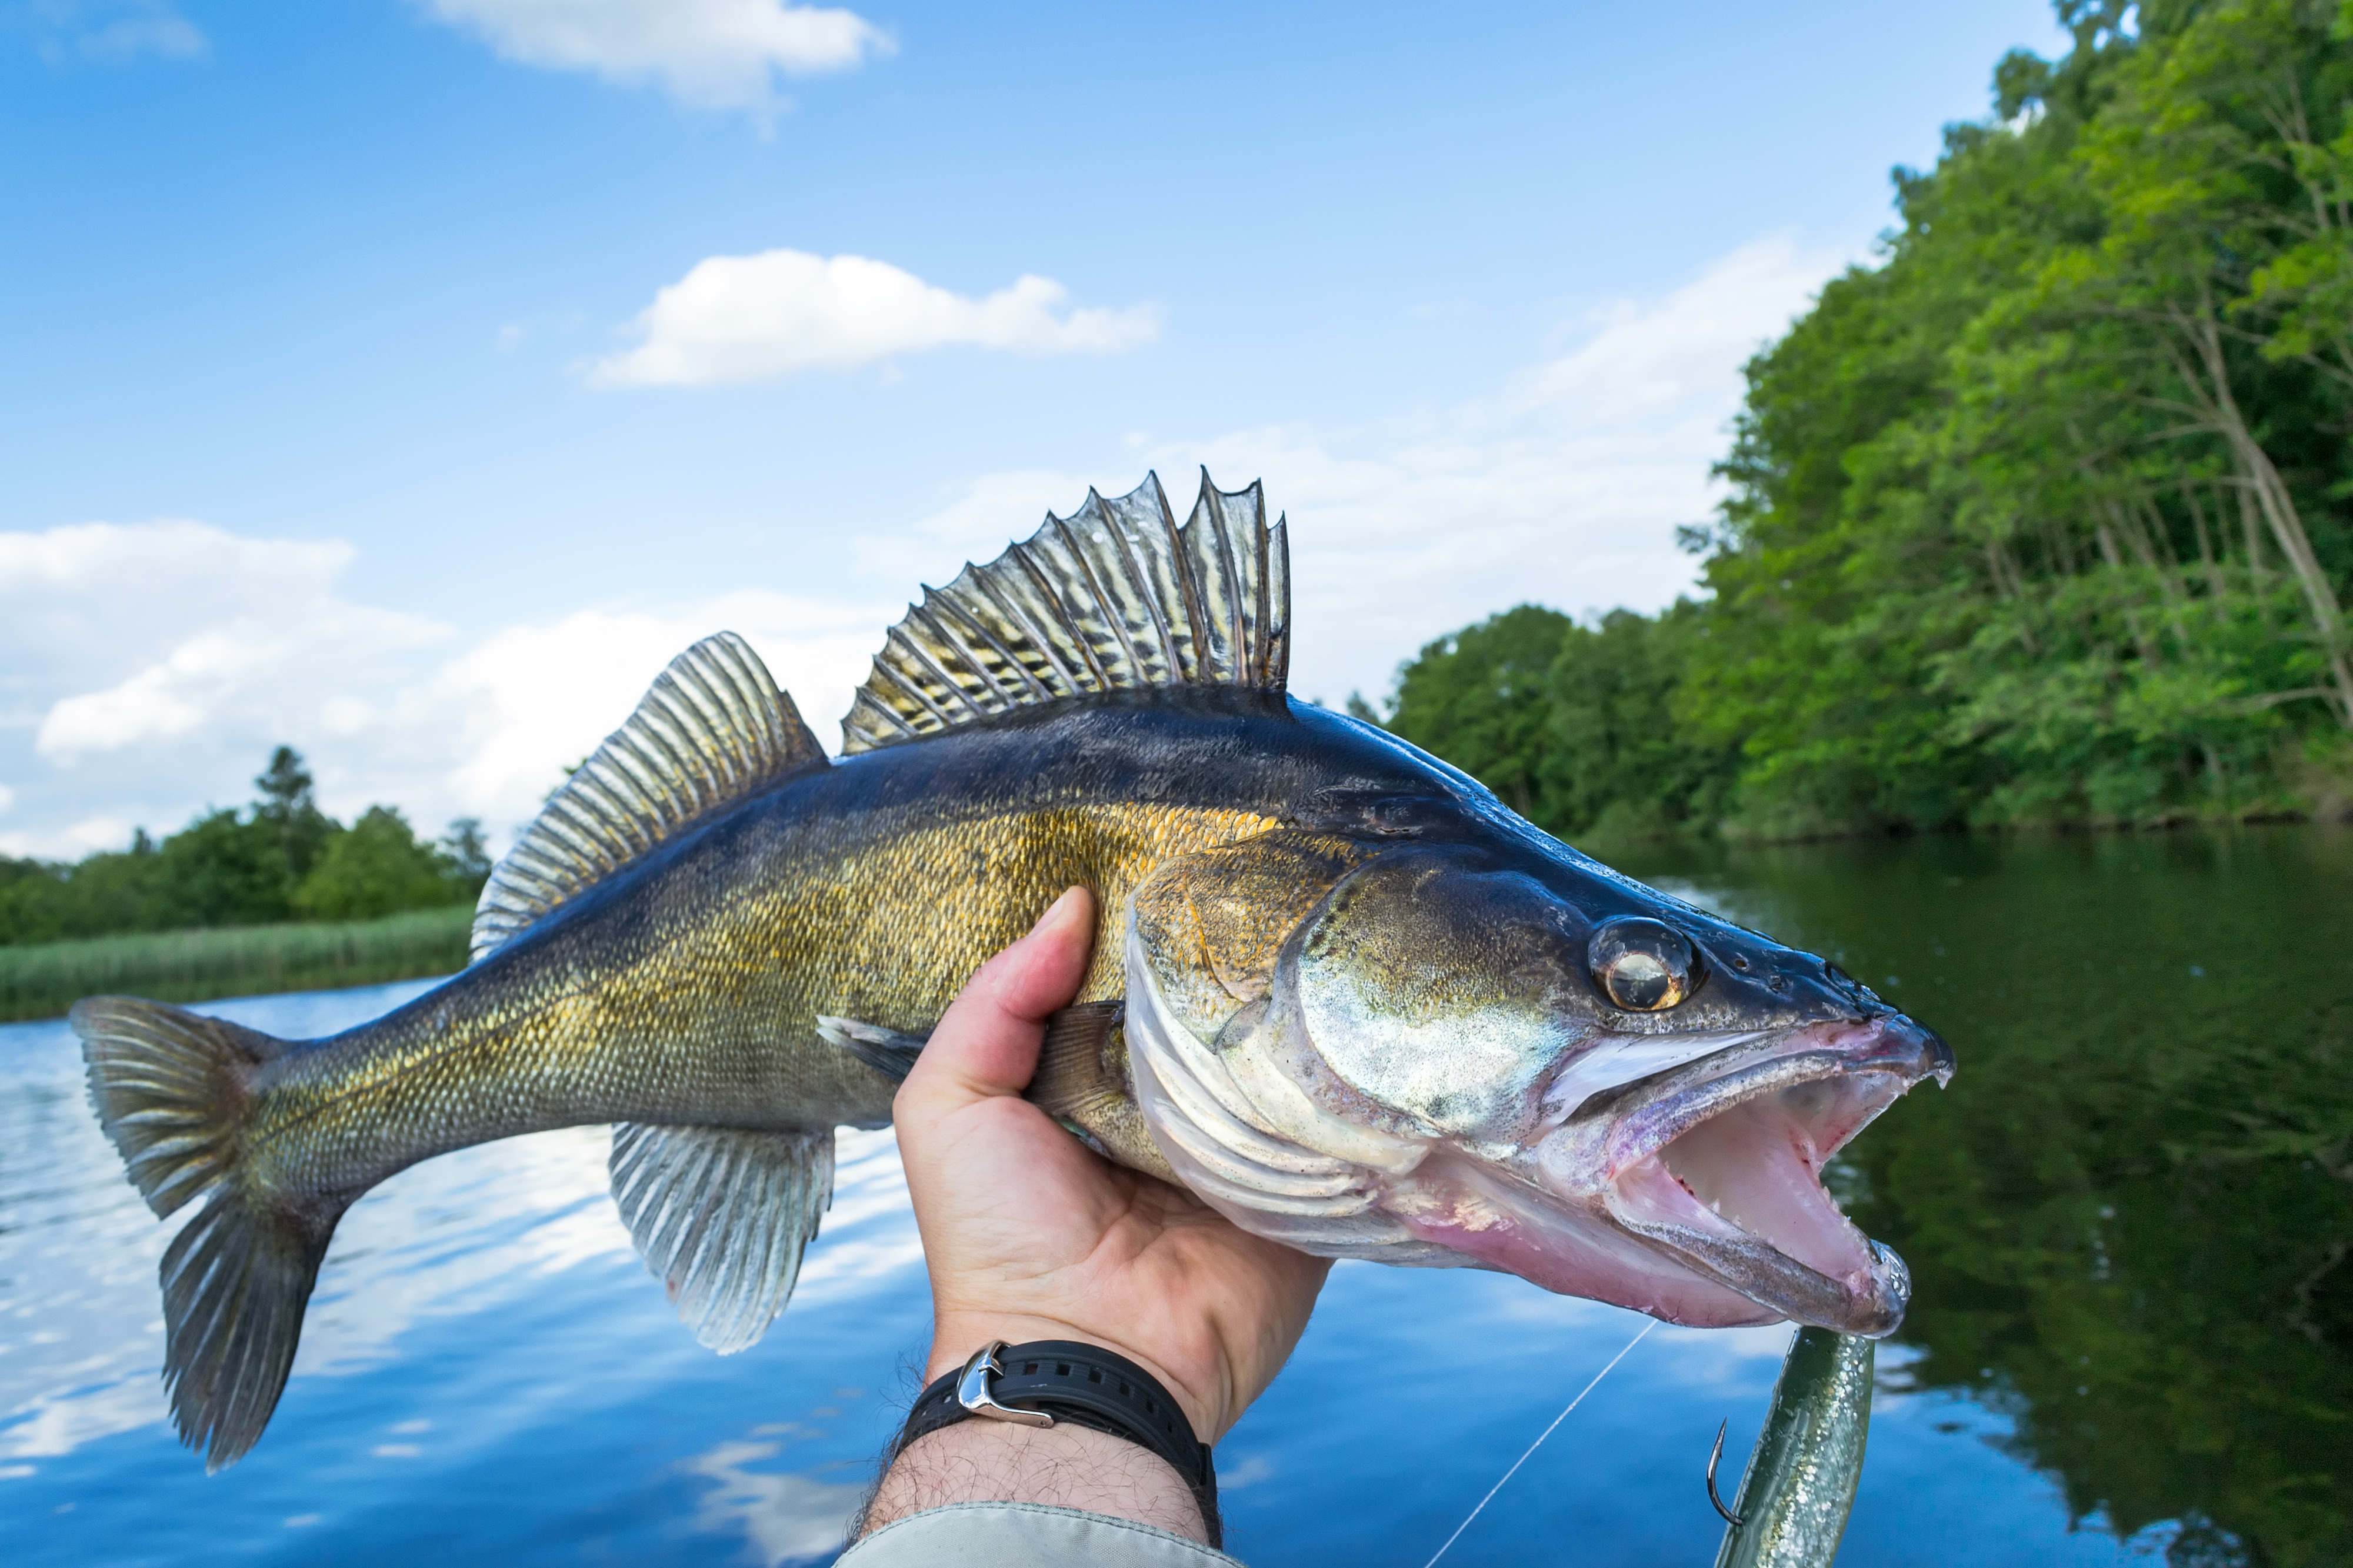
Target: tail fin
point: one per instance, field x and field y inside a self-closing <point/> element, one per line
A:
<point x="172" y="1089"/>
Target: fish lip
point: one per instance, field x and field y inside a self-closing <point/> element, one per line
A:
<point x="1621" y="1130"/>
<point x="1644" y="1116"/>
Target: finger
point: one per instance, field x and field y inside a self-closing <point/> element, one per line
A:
<point x="986" y="1046"/>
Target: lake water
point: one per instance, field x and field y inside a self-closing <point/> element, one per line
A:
<point x="2129" y="1221"/>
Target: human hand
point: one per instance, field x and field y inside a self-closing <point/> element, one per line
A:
<point x="1029" y="1234"/>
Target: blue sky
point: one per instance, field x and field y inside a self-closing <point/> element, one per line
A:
<point x="406" y="379"/>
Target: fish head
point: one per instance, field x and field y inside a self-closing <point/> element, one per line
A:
<point x="1494" y="1051"/>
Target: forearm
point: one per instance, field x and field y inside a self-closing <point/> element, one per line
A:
<point x="1067" y="1465"/>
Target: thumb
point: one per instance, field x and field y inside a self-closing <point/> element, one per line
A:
<point x="986" y="1046"/>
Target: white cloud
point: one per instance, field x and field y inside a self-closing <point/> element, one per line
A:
<point x="148" y="668"/>
<point x="201" y="630"/>
<point x="1564" y="487"/>
<point x="146" y="671"/>
<point x="531" y="699"/>
<point x="987" y="514"/>
<point x="784" y="312"/>
<point x="713" y="54"/>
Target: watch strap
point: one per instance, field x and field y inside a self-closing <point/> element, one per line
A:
<point x="1084" y="1385"/>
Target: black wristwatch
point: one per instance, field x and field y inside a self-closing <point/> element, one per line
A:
<point x="1047" y="1381"/>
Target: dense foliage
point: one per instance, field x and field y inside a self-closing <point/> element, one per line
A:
<point x="279" y="860"/>
<point x="2046" y="518"/>
<point x="1573" y="726"/>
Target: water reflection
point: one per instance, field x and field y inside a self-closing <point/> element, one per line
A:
<point x="782" y="1515"/>
<point x="83" y="1331"/>
<point x="2130" y="1217"/>
<point x="463" y="1234"/>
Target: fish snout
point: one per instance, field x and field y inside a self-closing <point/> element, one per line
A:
<point x="1911" y="1049"/>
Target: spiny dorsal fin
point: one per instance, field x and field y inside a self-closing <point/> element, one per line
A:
<point x="712" y="728"/>
<point x="1114" y="598"/>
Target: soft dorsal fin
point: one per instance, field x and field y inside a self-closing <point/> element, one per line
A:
<point x="1114" y="598"/>
<point x="712" y="728"/>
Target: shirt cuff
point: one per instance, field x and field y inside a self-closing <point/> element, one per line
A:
<point x="1025" y="1536"/>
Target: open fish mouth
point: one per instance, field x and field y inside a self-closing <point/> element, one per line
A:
<point x="1718" y="1162"/>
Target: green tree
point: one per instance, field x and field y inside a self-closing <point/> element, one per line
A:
<point x="465" y="859"/>
<point x="288" y="808"/>
<point x="2012" y="513"/>
<point x="2223" y="201"/>
<point x="281" y="859"/>
<point x="375" y="868"/>
<point x="1573" y="727"/>
<point x="2047" y="516"/>
<point x="1481" y="700"/>
<point x="1619" y="762"/>
<point x="221" y="869"/>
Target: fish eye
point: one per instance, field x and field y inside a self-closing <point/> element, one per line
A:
<point x="1644" y="965"/>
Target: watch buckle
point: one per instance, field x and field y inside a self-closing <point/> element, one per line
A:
<point x="974" y="1394"/>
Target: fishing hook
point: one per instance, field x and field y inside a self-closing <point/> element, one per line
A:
<point x="1715" y="1457"/>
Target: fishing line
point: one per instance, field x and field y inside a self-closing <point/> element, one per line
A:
<point x="1547" y="1432"/>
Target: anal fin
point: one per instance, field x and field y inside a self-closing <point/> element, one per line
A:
<point x="721" y="1217"/>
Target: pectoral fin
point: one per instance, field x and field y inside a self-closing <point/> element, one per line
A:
<point x="1074" y="1082"/>
<point x="886" y="1051"/>
<point x="722" y="1216"/>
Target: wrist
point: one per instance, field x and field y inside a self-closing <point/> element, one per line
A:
<point x="956" y="1336"/>
<point x="1065" y="1467"/>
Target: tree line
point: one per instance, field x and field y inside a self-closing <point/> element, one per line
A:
<point x="2044" y="518"/>
<point x="280" y="859"/>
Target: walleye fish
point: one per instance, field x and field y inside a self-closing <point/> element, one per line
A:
<point x="1338" y="990"/>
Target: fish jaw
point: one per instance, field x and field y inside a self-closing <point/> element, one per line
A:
<point x="1717" y="1164"/>
<point x="1483" y="1217"/>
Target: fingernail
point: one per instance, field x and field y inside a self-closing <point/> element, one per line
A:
<point x="1057" y="907"/>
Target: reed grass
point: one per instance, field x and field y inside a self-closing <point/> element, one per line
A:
<point x="43" y="981"/>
